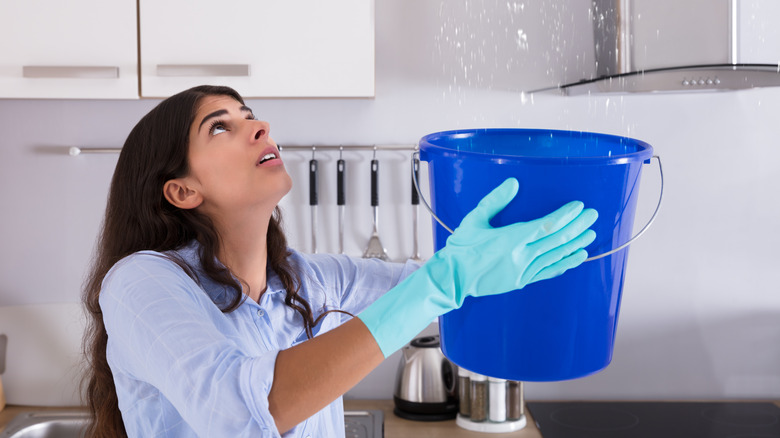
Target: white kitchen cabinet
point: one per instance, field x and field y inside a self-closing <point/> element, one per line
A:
<point x="69" y="49"/>
<point x="262" y="48"/>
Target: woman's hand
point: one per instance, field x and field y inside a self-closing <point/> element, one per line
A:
<point x="480" y="260"/>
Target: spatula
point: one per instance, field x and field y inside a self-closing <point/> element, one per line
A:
<point x="375" y="249"/>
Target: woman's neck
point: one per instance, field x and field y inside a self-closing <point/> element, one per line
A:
<point x="243" y="249"/>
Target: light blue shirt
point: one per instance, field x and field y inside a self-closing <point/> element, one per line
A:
<point x="183" y="368"/>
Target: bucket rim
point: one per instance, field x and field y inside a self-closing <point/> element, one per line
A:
<point x="644" y="150"/>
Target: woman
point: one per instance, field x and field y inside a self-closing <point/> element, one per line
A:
<point x="204" y="323"/>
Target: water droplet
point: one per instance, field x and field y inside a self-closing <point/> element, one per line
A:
<point x="523" y="98"/>
<point x="522" y="39"/>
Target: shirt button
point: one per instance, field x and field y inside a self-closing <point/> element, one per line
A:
<point x="260" y="313"/>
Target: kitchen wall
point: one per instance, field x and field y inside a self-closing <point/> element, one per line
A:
<point x="700" y="315"/>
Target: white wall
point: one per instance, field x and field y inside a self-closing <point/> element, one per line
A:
<point x="700" y="316"/>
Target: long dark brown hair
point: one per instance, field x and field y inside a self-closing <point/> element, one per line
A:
<point x="138" y="217"/>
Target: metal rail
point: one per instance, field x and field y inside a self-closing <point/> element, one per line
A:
<point x="75" y="150"/>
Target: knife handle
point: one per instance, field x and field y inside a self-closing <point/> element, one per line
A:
<point x="415" y="177"/>
<point x="313" y="182"/>
<point x="340" y="198"/>
<point x="374" y="182"/>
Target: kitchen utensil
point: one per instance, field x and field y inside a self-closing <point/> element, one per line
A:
<point x="375" y="248"/>
<point x="3" y="344"/>
<point x="415" y="207"/>
<point x="340" y="199"/>
<point x="425" y="387"/>
<point x="313" y="200"/>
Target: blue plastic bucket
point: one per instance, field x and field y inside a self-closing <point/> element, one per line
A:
<point x="557" y="329"/>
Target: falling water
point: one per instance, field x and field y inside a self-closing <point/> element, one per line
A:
<point x="503" y="46"/>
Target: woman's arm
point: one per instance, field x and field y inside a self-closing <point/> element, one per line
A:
<point x="310" y="375"/>
<point x="477" y="260"/>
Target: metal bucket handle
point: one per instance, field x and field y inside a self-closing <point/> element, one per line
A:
<point x="415" y="177"/>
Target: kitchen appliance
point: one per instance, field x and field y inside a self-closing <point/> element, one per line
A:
<point x="656" y="419"/>
<point x="425" y="388"/>
<point x="693" y="45"/>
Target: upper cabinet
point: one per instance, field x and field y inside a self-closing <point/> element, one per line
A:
<point x="262" y="48"/>
<point x="95" y="49"/>
<point x="83" y="49"/>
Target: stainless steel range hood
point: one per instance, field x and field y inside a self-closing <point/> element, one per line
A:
<point x="682" y="46"/>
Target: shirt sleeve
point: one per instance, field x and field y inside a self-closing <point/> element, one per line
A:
<point x="354" y="283"/>
<point x="163" y="329"/>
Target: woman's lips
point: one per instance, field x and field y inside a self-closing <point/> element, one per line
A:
<point x="270" y="156"/>
<point x="267" y="157"/>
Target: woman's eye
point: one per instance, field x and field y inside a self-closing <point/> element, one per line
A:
<point x="217" y="127"/>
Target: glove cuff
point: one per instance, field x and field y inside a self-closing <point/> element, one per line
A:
<point x="404" y="311"/>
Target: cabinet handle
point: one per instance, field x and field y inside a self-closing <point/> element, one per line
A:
<point x="74" y="72"/>
<point x="203" y="70"/>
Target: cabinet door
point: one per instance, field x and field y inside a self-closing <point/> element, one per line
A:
<point x="68" y="49"/>
<point x="262" y="48"/>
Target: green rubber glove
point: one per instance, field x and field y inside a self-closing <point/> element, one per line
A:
<point x="480" y="260"/>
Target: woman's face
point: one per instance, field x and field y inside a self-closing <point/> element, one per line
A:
<point x="234" y="164"/>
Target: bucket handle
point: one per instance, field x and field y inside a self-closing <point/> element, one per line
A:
<point x="415" y="177"/>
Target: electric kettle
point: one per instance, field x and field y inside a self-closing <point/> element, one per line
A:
<point x="425" y="387"/>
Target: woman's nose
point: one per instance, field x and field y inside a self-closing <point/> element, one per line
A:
<point x="260" y="130"/>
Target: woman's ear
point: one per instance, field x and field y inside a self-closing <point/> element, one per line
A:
<point x="179" y="194"/>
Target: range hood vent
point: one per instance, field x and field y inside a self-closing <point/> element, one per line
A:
<point x="682" y="46"/>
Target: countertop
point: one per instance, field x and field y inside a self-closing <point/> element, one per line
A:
<point x="395" y="427"/>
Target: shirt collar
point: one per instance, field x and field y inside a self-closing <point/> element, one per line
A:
<point x="219" y="293"/>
